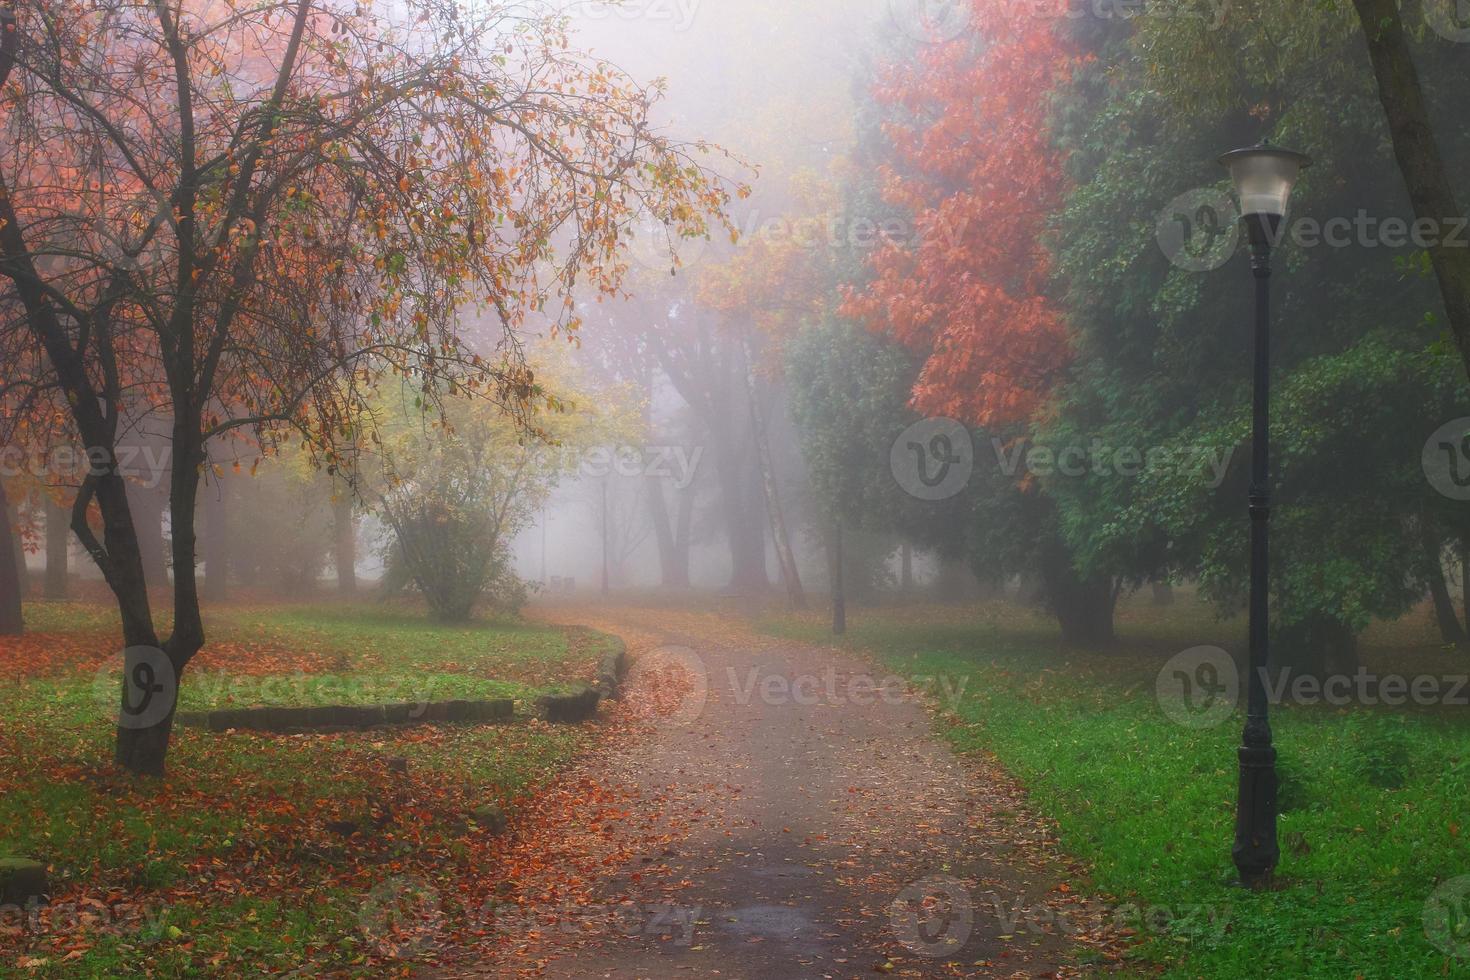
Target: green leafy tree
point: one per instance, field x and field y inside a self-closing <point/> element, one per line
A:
<point x="849" y="389"/>
<point x="1163" y="348"/>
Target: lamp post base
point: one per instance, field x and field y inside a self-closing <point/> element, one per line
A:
<point x="1256" y="852"/>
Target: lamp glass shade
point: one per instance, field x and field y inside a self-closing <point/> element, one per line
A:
<point x="1264" y="176"/>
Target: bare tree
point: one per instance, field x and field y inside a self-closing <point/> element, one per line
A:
<point x="235" y="216"/>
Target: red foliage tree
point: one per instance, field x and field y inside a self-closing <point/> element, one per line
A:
<point x="976" y="169"/>
<point x="974" y="166"/>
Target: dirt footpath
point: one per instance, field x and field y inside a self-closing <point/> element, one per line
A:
<point x="788" y="814"/>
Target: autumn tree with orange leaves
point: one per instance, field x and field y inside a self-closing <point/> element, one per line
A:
<point x="228" y="215"/>
<point x="968" y="285"/>
<point x="975" y="168"/>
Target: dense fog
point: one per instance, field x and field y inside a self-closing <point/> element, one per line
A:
<point x="734" y="489"/>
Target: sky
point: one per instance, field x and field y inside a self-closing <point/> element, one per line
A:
<point x="769" y="81"/>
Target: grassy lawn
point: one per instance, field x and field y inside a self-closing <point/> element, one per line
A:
<point x="1373" y="798"/>
<point x="260" y="853"/>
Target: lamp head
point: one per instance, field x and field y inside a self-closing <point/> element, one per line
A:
<point x="1264" y="176"/>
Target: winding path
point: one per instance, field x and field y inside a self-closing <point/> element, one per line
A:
<point x="794" y="796"/>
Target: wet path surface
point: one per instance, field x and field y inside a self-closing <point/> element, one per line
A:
<point x="785" y="801"/>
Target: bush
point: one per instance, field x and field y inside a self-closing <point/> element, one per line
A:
<point x="452" y="557"/>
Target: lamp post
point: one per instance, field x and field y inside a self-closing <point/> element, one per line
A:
<point x="1263" y="176"/>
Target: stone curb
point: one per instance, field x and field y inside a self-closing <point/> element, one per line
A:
<point x="330" y="718"/>
<point x="580" y="706"/>
<point x="22" y="881"/>
<point x="573" y="708"/>
<point x="612" y="670"/>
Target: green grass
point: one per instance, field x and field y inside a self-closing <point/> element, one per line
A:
<point x="1373" y="800"/>
<point x="231" y="866"/>
<point x="300" y="655"/>
<point x="402" y="639"/>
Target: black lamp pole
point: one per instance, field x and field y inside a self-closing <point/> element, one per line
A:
<point x="1263" y="177"/>
<point x="1256" y="851"/>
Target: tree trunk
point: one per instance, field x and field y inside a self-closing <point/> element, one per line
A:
<point x="1419" y="159"/>
<point x="118" y="555"/>
<point x="12" y="621"/>
<point x="217" y="542"/>
<point x="671" y="533"/>
<point x="683" y="538"/>
<point x="142" y="745"/>
<point x="746" y="539"/>
<point x="839" y="591"/>
<point x="58" y="550"/>
<point x="1083" y="607"/>
<point x="785" y="557"/>
<point x="663" y="530"/>
<point x="345" y="537"/>
<point x="705" y="374"/>
<point x="1450" y="629"/>
<point x="906" y="568"/>
<point x="1086" y="614"/>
